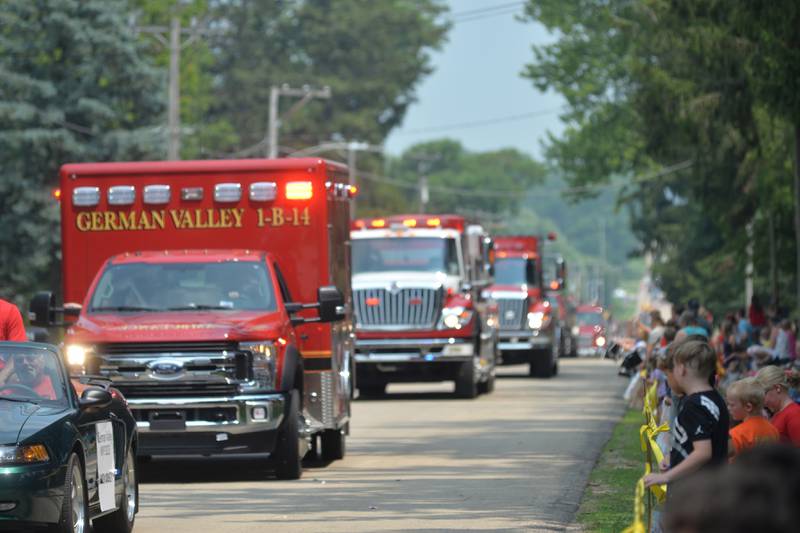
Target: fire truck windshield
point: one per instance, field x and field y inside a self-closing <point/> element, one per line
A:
<point x="589" y="319"/>
<point x="155" y="287"/>
<point x="515" y="271"/>
<point x="417" y="254"/>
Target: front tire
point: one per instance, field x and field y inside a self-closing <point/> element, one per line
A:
<point x="333" y="444"/>
<point x="288" y="462"/>
<point x="542" y="363"/>
<point x="74" y="508"/>
<point x="466" y="386"/>
<point x="487" y="387"/>
<point x="121" y="520"/>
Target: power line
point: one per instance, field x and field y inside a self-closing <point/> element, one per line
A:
<point x="485" y="12"/>
<point x="479" y="123"/>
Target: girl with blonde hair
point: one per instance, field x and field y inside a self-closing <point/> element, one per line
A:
<point x="777" y="382"/>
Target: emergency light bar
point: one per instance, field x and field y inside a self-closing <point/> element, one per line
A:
<point x="121" y="195"/>
<point x="156" y="194"/>
<point x="263" y="191"/>
<point x="227" y="192"/>
<point x="85" y="196"/>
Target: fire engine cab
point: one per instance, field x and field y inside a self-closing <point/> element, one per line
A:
<point x="215" y="296"/>
<point x="527" y="321"/>
<point x="419" y="311"/>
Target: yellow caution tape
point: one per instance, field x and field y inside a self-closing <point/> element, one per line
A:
<point x="638" y="525"/>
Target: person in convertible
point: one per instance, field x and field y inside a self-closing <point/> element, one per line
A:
<point x="28" y="371"/>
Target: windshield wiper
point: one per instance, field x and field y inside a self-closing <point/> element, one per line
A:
<point x="198" y="307"/>
<point x="125" y="308"/>
<point x="18" y="400"/>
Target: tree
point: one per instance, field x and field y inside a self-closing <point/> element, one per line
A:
<point x="663" y="94"/>
<point x="73" y="87"/>
<point x="371" y="54"/>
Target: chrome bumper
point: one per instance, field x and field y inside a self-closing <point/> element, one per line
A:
<point x="244" y="423"/>
<point x="414" y="350"/>
<point x="523" y="340"/>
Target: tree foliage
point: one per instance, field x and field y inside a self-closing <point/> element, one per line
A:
<point x="672" y="96"/>
<point x="73" y="87"/>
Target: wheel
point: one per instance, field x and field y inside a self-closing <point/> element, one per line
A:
<point x="542" y="364"/>
<point x="487" y="387"/>
<point x="466" y="386"/>
<point x="74" y="511"/>
<point x="121" y="520"/>
<point x="333" y="444"/>
<point x="573" y="347"/>
<point x="288" y="462"/>
<point x="371" y="391"/>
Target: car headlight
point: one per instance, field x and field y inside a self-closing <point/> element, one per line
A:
<point x="264" y="355"/>
<point x="576" y="330"/>
<point x="600" y="341"/>
<point x="456" y="317"/>
<point x="22" y="455"/>
<point x="76" y="354"/>
<point x="535" y="320"/>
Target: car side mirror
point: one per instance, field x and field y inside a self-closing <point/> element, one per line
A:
<point x="331" y="304"/>
<point x="94" y="398"/>
<point x="42" y="309"/>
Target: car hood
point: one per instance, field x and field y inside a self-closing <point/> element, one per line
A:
<point x="177" y="326"/>
<point x="19" y="421"/>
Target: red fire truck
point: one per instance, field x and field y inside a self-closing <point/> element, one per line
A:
<point x="529" y="331"/>
<point x="590" y="328"/>
<point x="419" y="311"/>
<point x="215" y="296"/>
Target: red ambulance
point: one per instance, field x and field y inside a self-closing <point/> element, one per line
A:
<point x="215" y="296"/>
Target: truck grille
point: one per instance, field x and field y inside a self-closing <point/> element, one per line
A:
<point x="187" y="369"/>
<point x="405" y="308"/>
<point x="512" y="313"/>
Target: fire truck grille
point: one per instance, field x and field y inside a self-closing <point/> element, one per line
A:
<point x="404" y="308"/>
<point x="512" y="313"/>
<point x="124" y="348"/>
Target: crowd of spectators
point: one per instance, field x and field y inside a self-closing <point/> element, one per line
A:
<point x="728" y="391"/>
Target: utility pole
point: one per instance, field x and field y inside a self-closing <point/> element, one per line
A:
<point x="424" y="194"/>
<point x="305" y="93"/>
<point x="170" y="37"/>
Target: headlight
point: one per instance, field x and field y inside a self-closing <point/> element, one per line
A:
<point x="76" y="354"/>
<point x="535" y="320"/>
<point x="456" y="317"/>
<point x="27" y="454"/>
<point x="264" y="355"/>
<point x="576" y="330"/>
<point x="600" y="342"/>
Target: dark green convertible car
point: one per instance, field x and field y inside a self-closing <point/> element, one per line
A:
<point x="67" y="447"/>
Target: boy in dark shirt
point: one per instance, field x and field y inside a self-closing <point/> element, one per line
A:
<point x="700" y="432"/>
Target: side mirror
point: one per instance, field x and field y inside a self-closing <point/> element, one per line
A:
<point x="94" y="398"/>
<point x="331" y="304"/>
<point x="42" y="309"/>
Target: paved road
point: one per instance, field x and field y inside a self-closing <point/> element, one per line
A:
<point x="516" y="460"/>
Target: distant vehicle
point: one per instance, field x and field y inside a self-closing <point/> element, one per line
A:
<point x="590" y="330"/>
<point x="418" y="303"/>
<point x="66" y="460"/>
<point x="530" y="321"/>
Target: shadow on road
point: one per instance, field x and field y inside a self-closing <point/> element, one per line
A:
<point x="219" y="469"/>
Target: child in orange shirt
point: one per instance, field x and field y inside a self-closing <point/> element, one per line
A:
<point x="745" y="399"/>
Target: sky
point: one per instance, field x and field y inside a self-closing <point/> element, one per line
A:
<point x="476" y="85"/>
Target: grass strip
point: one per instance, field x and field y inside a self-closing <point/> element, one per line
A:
<point x="607" y="504"/>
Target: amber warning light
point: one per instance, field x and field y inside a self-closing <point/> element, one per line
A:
<point x="299" y="190"/>
<point x="56" y="193"/>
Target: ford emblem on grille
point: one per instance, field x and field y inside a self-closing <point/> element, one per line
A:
<point x="165" y="368"/>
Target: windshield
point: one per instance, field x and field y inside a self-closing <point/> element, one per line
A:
<point x="231" y="285"/>
<point x="426" y="254"/>
<point x="31" y="375"/>
<point x="590" y="319"/>
<point x="515" y="271"/>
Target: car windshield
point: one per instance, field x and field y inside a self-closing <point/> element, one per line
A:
<point x="143" y="287"/>
<point x="590" y="319"/>
<point x="31" y="375"/>
<point x="411" y="254"/>
<point x="515" y="271"/>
